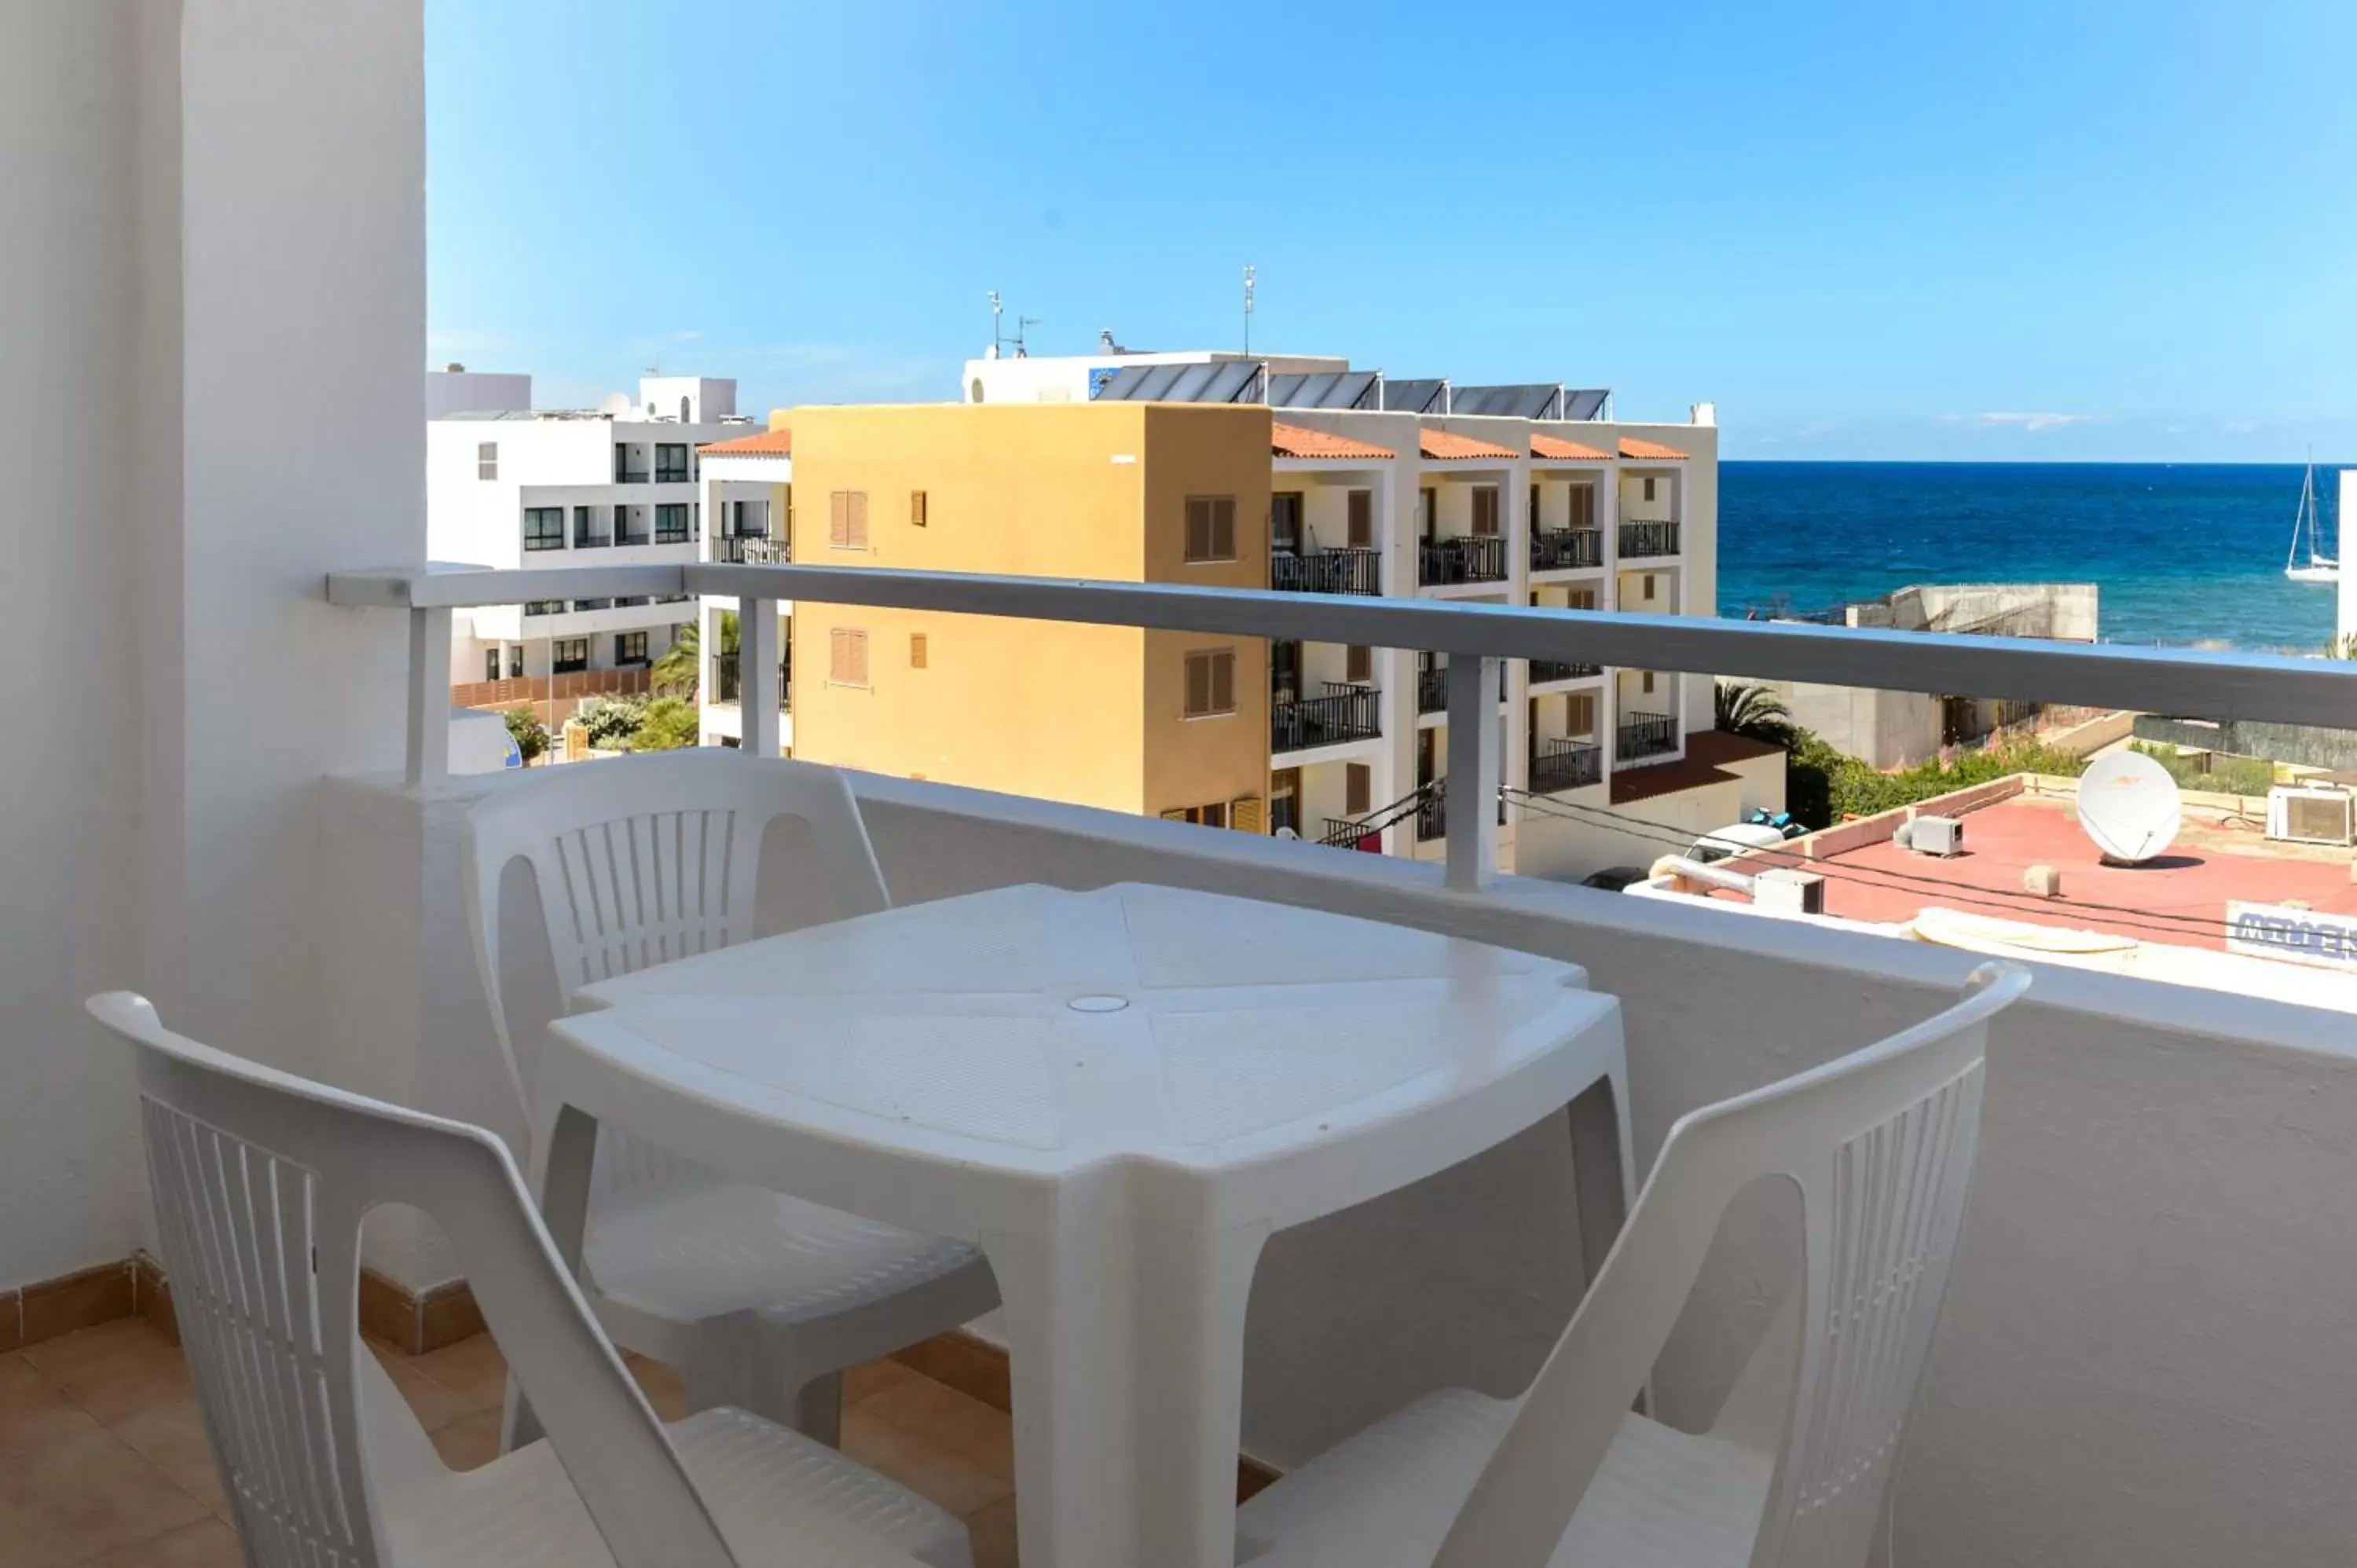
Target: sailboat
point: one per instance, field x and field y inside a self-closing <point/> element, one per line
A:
<point x="2319" y="567"/>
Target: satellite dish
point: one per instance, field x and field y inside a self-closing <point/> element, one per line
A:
<point x="615" y="405"/>
<point x="2127" y="804"/>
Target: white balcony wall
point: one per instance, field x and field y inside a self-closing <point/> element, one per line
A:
<point x="197" y="427"/>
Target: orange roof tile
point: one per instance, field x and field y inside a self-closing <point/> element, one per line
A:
<point x="1554" y="446"/>
<point x="1447" y="445"/>
<point x="768" y="444"/>
<point x="1633" y="448"/>
<point x="1295" y="441"/>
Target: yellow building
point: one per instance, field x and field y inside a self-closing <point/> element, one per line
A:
<point x="1149" y="722"/>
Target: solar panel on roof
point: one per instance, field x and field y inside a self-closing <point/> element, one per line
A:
<point x="1526" y="401"/>
<point x="1586" y="404"/>
<point x="1323" y="389"/>
<point x="1413" y="397"/>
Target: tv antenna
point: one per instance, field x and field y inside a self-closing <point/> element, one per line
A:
<point x="1249" y="275"/>
<point x="999" y="337"/>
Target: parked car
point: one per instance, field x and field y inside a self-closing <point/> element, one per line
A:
<point x="1615" y="879"/>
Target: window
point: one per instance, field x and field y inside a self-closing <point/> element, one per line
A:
<point x="1211" y="528"/>
<point x="1649" y="486"/>
<point x="544" y="528"/>
<point x="1244" y="814"/>
<point x="569" y="655"/>
<point x="1580" y="599"/>
<point x="545" y="607"/>
<point x="1358" y="788"/>
<point x="1649" y="586"/>
<point x="682" y="408"/>
<point x="846" y="656"/>
<point x="1428" y="512"/>
<point x="631" y="602"/>
<point x="487" y="460"/>
<point x="977" y="390"/>
<point x="671" y="524"/>
<point x="593" y="605"/>
<point x="917" y="651"/>
<point x="1285" y="522"/>
<point x="622" y="533"/>
<point x="629" y="648"/>
<point x="1358" y="664"/>
<point x="1579" y="714"/>
<point x="847" y="519"/>
<point x="1363" y="519"/>
<point x="491" y="664"/>
<point x="515" y="662"/>
<point x="1214" y="815"/>
<point x="1583" y="507"/>
<point x="1210" y="682"/>
<point x="1647" y="683"/>
<point x="917" y="505"/>
<point x="1485" y="508"/>
<point x="585" y="528"/>
<point x="670" y="463"/>
<point x="1534" y="504"/>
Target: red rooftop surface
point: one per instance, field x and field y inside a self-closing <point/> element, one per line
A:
<point x="768" y="444"/>
<point x="2178" y="899"/>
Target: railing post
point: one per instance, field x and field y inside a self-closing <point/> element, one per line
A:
<point x="1474" y="771"/>
<point x="430" y="697"/>
<point x="757" y="676"/>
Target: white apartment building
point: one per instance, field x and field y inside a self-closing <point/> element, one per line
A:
<point x="747" y="486"/>
<point x="1517" y="495"/>
<point x="512" y="486"/>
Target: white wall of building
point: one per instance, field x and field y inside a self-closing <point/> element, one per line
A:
<point x="175" y="260"/>
<point x="474" y="391"/>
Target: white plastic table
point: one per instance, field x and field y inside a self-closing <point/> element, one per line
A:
<point x="1118" y="1095"/>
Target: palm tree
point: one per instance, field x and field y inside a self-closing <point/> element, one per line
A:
<point x="1756" y="713"/>
<point x="681" y="669"/>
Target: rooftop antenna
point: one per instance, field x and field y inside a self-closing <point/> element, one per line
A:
<point x="999" y="337"/>
<point x="1249" y="275"/>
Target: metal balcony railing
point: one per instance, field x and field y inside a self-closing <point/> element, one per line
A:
<point x="1345" y="570"/>
<point x="729" y="686"/>
<point x="1343" y="713"/>
<point x="1644" y="734"/>
<point x="1473" y="558"/>
<point x="751" y="550"/>
<point x="1432" y="683"/>
<point x="1566" y="549"/>
<point x="2240" y="686"/>
<point x="1544" y="671"/>
<point x="1647" y="538"/>
<point x="1564" y="764"/>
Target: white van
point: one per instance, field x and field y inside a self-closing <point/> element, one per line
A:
<point x="1724" y="843"/>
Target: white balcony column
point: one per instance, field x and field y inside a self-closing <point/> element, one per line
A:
<point x="1471" y="797"/>
<point x="1520" y="525"/>
<point x="757" y="676"/>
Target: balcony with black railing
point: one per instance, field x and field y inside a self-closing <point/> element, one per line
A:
<point x="1471" y="558"/>
<point x="1545" y="671"/>
<point x="728" y="682"/>
<point x="1566" y="549"/>
<point x="1644" y="734"/>
<point x="1558" y="765"/>
<point x="1646" y="537"/>
<point x="751" y="550"/>
<point x="1344" y="713"/>
<point x="1432" y="683"/>
<point x="1344" y="571"/>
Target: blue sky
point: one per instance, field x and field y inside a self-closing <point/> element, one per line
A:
<point x="2077" y="229"/>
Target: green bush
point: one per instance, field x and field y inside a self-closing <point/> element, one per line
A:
<point x="529" y="734"/>
<point x="612" y="720"/>
<point x="1822" y="786"/>
<point x="669" y="725"/>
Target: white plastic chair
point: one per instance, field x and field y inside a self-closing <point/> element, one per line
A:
<point x="261" y="1181"/>
<point x="1880" y="1146"/>
<point x="759" y="1299"/>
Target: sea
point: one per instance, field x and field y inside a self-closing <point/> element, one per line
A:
<point x="2186" y="555"/>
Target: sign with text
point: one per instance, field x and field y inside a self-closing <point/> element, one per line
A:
<point x="2299" y="936"/>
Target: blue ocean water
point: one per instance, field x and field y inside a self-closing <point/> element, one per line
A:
<point x="2187" y="554"/>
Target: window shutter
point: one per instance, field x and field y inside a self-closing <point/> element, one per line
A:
<point x="917" y="512"/>
<point x="1198" y="685"/>
<point x="1534" y="519"/>
<point x="915" y="650"/>
<point x="1358" y="790"/>
<point x="846" y="656"/>
<point x="1199" y="528"/>
<point x="1176" y="814"/>
<point x="1579" y="713"/>
<point x="838" y="520"/>
<point x="855" y="531"/>
<point x="1359" y="663"/>
<point x="1485" y="509"/>
<point x="1224" y="528"/>
<point x="1362" y="518"/>
<point x="1649" y="682"/>
<point x="1244" y="814"/>
<point x="1223" y="681"/>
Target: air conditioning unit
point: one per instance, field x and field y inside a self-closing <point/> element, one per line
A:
<point x="2310" y="814"/>
<point x="1941" y="836"/>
